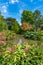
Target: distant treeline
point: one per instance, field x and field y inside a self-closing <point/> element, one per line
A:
<point x="28" y="18"/>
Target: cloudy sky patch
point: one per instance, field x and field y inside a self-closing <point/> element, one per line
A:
<point x="14" y="8"/>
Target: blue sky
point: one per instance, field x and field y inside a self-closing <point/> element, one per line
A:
<point x="14" y="8"/>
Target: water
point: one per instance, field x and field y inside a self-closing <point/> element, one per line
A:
<point x="20" y="41"/>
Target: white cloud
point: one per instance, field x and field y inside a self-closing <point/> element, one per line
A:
<point x="22" y="6"/>
<point x="20" y="11"/>
<point x="14" y="1"/>
<point x="4" y="9"/>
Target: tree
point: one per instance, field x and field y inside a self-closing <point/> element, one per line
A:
<point x="9" y="22"/>
<point x="27" y="16"/>
<point x="37" y="18"/>
<point x="3" y="25"/>
<point x="41" y="23"/>
<point x="13" y="24"/>
<point x="26" y="27"/>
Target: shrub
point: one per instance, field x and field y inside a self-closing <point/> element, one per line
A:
<point x="41" y="27"/>
<point x="32" y="35"/>
<point x="33" y="56"/>
<point x="7" y="35"/>
<point x="16" y="27"/>
<point x="3" y="26"/>
<point x="26" y="26"/>
<point x="10" y="35"/>
<point x="13" y="25"/>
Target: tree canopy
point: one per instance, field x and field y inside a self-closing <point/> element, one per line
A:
<point x="27" y="16"/>
<point x="3" y="25"/>
<point x="13" y="24"/>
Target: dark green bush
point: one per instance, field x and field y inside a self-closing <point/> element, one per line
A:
<point x="13" y="25"/>
<point x="41" y="27"/>
<point x="32" y="35"/>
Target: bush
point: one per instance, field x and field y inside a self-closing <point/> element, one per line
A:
<point x="41" y="27"/>
<point x="32" y="35"/>
<point x="25" y="26"/>
<point x="3" y="26"/>
<point x="10" y="35"/>
<point x="7" y="35"/>
<point x="13" y="25"/>
<point x="16" y="28"/>
<point x="22" y="55"/>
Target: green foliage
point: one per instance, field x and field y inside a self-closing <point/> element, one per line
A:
<point x="32" y="35"/>
<point x="23" y="55"/>
<point x="3" y="25"/>
<point x="27" y="16"/>
<point x="37" y="18"/>
<point x="41" y="27"/>
<point x="37" y="14"/>
<point x="13" y="25"/>
<point x="10" y="35"/>
<point x="34" y="18"/>
<point x="7" y="35"/>
<point x="16" y="27"/>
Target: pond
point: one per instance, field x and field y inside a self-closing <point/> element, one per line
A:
<point x="20" y="41"/>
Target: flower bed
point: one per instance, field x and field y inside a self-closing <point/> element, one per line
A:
<point x="7" y="35"/>
<point x="21" y="55"/>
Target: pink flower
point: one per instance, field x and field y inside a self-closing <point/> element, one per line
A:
<point x="11" y="50"/>
<point x="3" y="43"/>
<point x="27" y="49"/>
<point x="2" y="38"/>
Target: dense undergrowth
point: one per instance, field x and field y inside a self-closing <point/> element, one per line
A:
<point x="22" y="55"/>
<point x="31" y="29"/>
<point x="16" y="54"/>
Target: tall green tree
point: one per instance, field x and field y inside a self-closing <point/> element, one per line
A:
<point x="3" y="25"/>
<point x="41" y="23"/>
<point x="13" y="24"/>
<point x="27" y="16"/>
<point x="37" y="18"/>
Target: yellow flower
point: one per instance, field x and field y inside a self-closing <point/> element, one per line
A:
<point x="24" y="54"/>
<point x="14" y="58"/>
